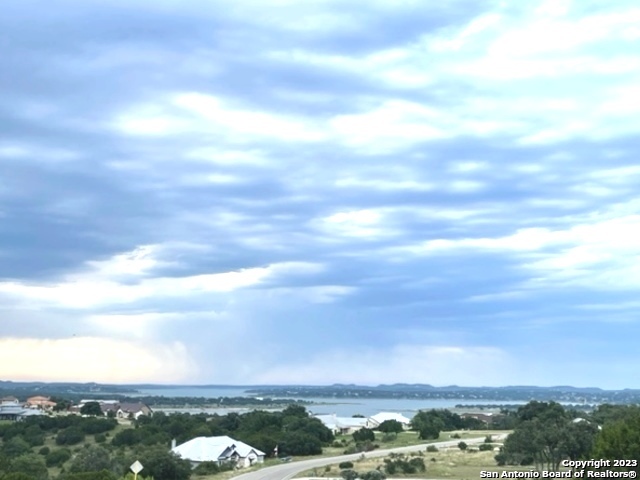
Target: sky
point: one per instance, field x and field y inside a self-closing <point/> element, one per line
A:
<point x="285" y="192"/>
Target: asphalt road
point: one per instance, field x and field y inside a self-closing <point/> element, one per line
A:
<point x="288" y="470"/>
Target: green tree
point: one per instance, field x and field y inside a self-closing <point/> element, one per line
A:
<point x="462" y="446"/>
<point x="163" y="465"/>
<point x="58" y="457"/>
<point x="364" y="435"/>
<point x="30" y="464"/>
<point x="390" y="426"/>
<point x="91" y="408"/>
<point x="15" y="447"/>
<point x="620" y="440"/>
<point x="70" y="436"/>
<point x="92" y="459"/>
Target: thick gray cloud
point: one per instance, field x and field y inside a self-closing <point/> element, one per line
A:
<point x="428" y="194"/>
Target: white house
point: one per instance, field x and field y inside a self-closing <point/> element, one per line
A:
<point x="344" y="425"/>
<point x="218" y="449"/>
<point x="378" y="418"/>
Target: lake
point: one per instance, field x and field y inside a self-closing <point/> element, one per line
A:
<point x="340" y="407"/>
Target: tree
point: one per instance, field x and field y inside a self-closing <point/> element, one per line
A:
<point x="390" y="426"/>
<point x="545" y="435"/>
<point x="70" y="436"/>
<point x="620" y="440"/>
<point x="462" y="446"/>
<point x="91" y="408"/>
<point x="15" y="447"/>
<point x="56" y="458"/>
<point x="163" y="465"/>
<point x="92" y="459"/>
<point x="364" y="435"/>
<point x="30" y="464"/>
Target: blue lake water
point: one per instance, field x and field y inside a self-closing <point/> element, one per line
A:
<point x="340" y="407"/>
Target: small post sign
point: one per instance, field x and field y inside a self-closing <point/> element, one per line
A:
<point x="136" y="467"/>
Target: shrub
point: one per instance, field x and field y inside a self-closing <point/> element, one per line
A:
<point x="389" y="437"/>
<point x="70" y="436"/>
<point x="432" y="448"/>
<point x="345" y="465"/>
<point x="100" y="438"/>
<point x="488" y="439"/>
<point x="44" y="451"/>
<point x="57" y="457"/>
<point x="207" y="468"/>
<point x="349" y="474"/>
<point x="364" y="435"/>
<point x="462" y="446"/>
<point x="485" y="447"/>
<point x="373" y="475"/>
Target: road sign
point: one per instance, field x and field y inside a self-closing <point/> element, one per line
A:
<point x="136" y="467"/>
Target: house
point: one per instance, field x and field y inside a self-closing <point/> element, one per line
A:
<point x="17" y="413"/>
<point x="378" y="418"/>
<point x="10" y="400"/>
<point x="40" y="402"/>
<point x="486" y="418"/>
<point x="117" y="409"/>
<point x="132" y="410"/>
<point x="344" y="425"/>
<point x="220" y="450"/>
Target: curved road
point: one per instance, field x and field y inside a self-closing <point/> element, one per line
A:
<point x="288" y="470"/>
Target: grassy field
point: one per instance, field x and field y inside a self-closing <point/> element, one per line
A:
<point x="451" y="463"/>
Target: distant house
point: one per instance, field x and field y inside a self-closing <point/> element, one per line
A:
<point x="134" y="410"/>
<point x="378" y="418"/>
<point x="344" y="425"/>
<point x="220" y="450"/>
<point x="10" y="400"/>
<point x="40" y="402"/>
<point x="17" y="413"/>
<point x="117" y="409"/>
<point x="486" y="418"/>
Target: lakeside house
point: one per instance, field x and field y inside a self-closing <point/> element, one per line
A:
<point x="220" y="450"/>
<point x="116" y="408"/>
<point x="343" y="425"/>
<point x="126" y="410"/>
<point x="378" y="418"/>
<point x="40" y="402"/>
<point x="17" y="412"/>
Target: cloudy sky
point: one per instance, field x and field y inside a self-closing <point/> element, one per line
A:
<point x="209" y="191"/>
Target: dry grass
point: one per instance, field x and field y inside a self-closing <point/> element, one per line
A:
<point x="451" y="463"/>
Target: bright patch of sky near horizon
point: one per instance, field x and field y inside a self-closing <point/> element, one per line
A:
<point x="317" y="192"/>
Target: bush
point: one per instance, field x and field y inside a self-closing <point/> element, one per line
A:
<point x="349" y="474"/>
<point x="57" y="457"/>
<point x="389" y="437"/>
<point x="373" y="475"/>
<point x="485" y="447"/>
<point x="364" y="435"/>
<point x="207" y="468"/>
<point x="70" y="436"/>
<point x="488" y="439"/>
<point x="455" y="435"/>
<point x="462" y="446"/>
<point x="432" y="448"/>
<point x="345" y="465"/>
<point x="100" y="438"/>
<point x="44" y="451"/>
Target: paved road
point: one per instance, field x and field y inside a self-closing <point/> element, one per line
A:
<point x="288" y="470"/>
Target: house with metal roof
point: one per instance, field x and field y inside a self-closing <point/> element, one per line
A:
<point x="344" y="425"/>
<point x="17" y="412"/>
<point x="220" y="449"/>
<point x="378" y="418"/>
